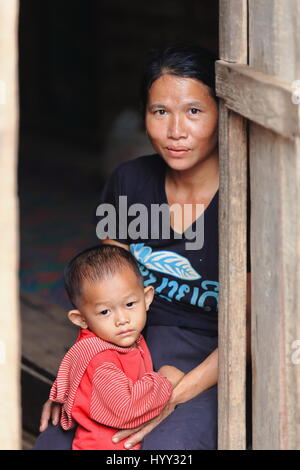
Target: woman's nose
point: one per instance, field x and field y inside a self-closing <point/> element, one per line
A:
<point x="176" y="128"/>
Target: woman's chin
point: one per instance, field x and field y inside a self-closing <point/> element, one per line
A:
<point x="179" y="164"/>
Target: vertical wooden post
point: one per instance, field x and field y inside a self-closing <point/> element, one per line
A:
<point x="10" y="429"/>
<point x="232" y="241"/>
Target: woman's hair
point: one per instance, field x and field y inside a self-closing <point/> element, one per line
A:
<point x="95" y="264"/>
<point x="182" y="60"/>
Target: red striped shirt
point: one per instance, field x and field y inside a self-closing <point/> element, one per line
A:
<point x="104" y="387"/>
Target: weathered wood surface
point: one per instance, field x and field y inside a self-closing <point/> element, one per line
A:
<point x="47" y="333"/>
<point x="264" y="99"/>
<point x="233" y="30"/>
<point x="275" y="255"/>
<point x="232" y="275"/>
<point x="10" y="426"/>
<point x="232" y="242"/>
<point x="275" y="237"/>
<point x="274" y="38"/>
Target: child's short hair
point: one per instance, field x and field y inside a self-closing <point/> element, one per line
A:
<point x="94" y="264"/>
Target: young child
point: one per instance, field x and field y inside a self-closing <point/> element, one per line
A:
<point x="106" y="380"/>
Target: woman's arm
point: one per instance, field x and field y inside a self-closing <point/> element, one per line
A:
<point x="195" y="382"/>
<point x="192" y="384"/>
<point x="205" y="375"/>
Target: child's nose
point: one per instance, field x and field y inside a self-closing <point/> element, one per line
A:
<point x="122" y="318"/>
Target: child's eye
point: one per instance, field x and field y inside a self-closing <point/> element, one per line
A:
<point x="104" y="312"/>
<point x="130" y="304"/>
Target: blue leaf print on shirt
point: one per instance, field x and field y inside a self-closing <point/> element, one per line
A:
<point x="166" y="262"/>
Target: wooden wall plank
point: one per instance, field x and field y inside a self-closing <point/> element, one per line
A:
<point x="233" y="31"/>
<point x="10" y="429"/>
<point x="267" y="279"/>
<point x="290" y="180"/>
<point x="232" y="241"/>
<point x="275" y="237"/>
<point x="275" y="250"/>
<point x="262" y="98"/>
<point x="232" y="275"/>
<point x="274" y="35"/>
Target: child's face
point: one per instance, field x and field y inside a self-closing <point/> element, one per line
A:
<point x="114" y="308"/>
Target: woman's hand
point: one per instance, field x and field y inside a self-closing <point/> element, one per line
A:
<point x="199" y="379"/>
<point x="50" y="410"/>
<point x="138" y="434"/>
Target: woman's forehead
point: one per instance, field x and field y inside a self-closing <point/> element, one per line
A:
<point x="184" y="89"/>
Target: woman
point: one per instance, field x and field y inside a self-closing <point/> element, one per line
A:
<point x="181" y="117"/>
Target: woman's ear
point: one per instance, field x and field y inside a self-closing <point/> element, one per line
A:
<point x="77" y="318"/>
<point x="149" y="295"/>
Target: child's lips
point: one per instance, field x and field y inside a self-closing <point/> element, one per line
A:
<point x="125" y="333"/>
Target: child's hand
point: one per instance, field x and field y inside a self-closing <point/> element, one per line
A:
<point x="173" y="374"/>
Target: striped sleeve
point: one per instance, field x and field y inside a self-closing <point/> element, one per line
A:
<point x="118" y="402"/>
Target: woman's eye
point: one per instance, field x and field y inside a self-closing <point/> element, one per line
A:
<point x="160" y="112"/>
<point x="195" y="111"/>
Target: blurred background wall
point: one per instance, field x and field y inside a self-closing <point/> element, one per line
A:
<point x="80" y="62"/>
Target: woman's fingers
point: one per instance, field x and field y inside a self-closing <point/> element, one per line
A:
<point x="55" y="414"/>
<point x="148" y="427"/>
<point x="50" y="410"/>
<point x="124" y="433"/>
<point x="139" y="436"/>
<point x="45" y="416"/>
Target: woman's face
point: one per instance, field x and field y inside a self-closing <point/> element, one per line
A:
<point x="181" y="121"/>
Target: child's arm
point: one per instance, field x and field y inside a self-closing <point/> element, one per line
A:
<point x="117" y="401"/>
<point x="173" y="374"/>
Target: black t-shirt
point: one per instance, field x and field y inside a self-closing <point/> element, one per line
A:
<point x="185" y="279"/>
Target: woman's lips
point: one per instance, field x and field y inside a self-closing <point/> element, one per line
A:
<point x="177" y="152"/>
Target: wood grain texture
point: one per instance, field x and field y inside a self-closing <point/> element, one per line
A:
<point x="275" y="307"/>
<point x="47" y="333"/>
<point x="274" y="35"/>
<point x="264" y="99"/>
<point x="232" y="240"/>
<point x="232" y="278"/>
<point x="267" y="285"/>
<point x="275" y="236"/>
<point x="10" y="426"/>
<point x="233" y="31"/>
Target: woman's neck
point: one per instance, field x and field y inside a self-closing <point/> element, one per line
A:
<point x="201" y="180"/>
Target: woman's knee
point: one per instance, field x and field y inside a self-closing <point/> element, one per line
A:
<point x="54" y="438"/>
<point x="192" y="426"/>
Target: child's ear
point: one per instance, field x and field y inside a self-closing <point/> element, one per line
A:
<point x="77" y="318"/>
<point x="149" y="295"/>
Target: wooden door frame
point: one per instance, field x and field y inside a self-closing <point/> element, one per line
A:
<point x="10" y="410"/>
